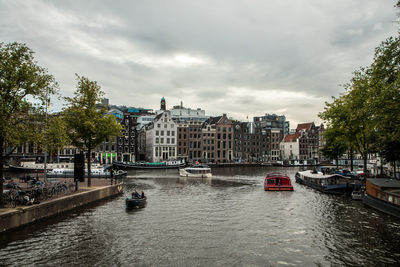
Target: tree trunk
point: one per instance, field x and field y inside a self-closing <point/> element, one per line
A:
<point x="351" y="159"/>
<point x="1" y="171"/>
<point x="365" y="156"/>
<point x="337" y="163"/>
<point x="89" y="166"/>
<point x="394" y="168"/>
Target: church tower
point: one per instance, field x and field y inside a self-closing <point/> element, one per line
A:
<point x="163" y="106"/>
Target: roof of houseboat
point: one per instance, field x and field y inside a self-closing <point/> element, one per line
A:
<point x="391" y="183"/>
<point x="320" y="175"/>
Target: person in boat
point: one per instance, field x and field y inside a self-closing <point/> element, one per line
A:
<point x="135" y="194"/>
<point x="142" y="195"/>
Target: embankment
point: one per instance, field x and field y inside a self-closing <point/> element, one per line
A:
<point x="20" y="216"/>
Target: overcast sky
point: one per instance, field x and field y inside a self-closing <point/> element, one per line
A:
<point x="240" y="57"/>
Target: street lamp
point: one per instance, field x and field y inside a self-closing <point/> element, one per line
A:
<point x="45" y="147"/>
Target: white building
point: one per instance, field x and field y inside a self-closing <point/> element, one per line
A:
<point x="290" y="147"/>
<point x="161" y="138"/>
<point x="182" y="114"/>
<point x="143" y="120"/>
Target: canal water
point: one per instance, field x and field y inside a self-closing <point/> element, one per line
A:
<point x="228" y="220"/>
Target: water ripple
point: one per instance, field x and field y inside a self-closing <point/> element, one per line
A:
<point x="226" y="220"/>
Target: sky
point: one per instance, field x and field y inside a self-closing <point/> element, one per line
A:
<point x="244" y="58"/>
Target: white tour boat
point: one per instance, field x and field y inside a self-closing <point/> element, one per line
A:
<point x="196" y="171"/>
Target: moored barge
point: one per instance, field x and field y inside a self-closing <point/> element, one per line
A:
<point x="150" y="165"/>
<point x="383" y="195"/>
<point x="331" y="184"/>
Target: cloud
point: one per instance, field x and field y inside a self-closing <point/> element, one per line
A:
<point x="243" y="58"/>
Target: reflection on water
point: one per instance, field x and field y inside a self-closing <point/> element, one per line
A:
<point x="224" y="220"/>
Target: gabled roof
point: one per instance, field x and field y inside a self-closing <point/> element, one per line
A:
<point x="292" y="137"/>
<point x="158" y="117"/>
<point x="213" y="120"/>
<point x="304" y="126"/>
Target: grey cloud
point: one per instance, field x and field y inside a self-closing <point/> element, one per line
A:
<point x="307" y="47"/>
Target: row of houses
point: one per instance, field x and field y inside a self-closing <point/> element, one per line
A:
<point x="188" y="134"/>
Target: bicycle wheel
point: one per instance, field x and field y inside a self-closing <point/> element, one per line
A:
<point x="49" y="192"/>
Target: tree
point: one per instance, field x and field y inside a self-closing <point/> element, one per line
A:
<point x="351" y="115"/>
<point x="20" y="78"/>
<point x="385" y="76"/>
<point x="56" y="134"/>
<point x="87" y="123"/>
<point x="335" y="144"/>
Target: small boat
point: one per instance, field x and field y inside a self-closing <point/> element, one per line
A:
<point x="196" y="171"/>
<point x="266" y="163"/>
<point x="135" y="202"/>
<point x="277" y="163"/>
<point x="277" y="182"/>
<point x="383" y="195"/>
<point x="150" y="165"/>
<point x="357" y="194"/>
<point x="327" y="183"/>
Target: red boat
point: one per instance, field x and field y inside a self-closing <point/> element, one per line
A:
<point x="277" y="182"/>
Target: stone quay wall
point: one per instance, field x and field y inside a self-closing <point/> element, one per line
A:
<point x="24" y="215"/>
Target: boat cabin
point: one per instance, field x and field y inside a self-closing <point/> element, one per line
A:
<point x="277" y="182"/>
<point x="387" y="190"/>
<point x="197" y="170"/>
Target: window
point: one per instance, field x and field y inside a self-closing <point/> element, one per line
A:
<point x="172" y="141"/>
<point x="167" y="140"/>
<point x="165" y="125"/>
<point x="158" y="125"/>
<point x="173" y="133"/>
<point x="162" y="133"/>
<point x="157" y="133"/>
<point x="168" y="133"/>
<point x="157" y="140"/>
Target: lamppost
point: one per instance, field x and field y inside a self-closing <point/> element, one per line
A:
<point x="45" y="146"/>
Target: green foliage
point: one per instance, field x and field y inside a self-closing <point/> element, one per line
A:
<point x="368" y="114"/>
<point x="56" y="134"/>
<point x="335" y="143"/>
<point x="350" y="117"/>
<point x="87" y="123"/>
<point x="20" y="78"/>
<point x="385" y="76"/>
